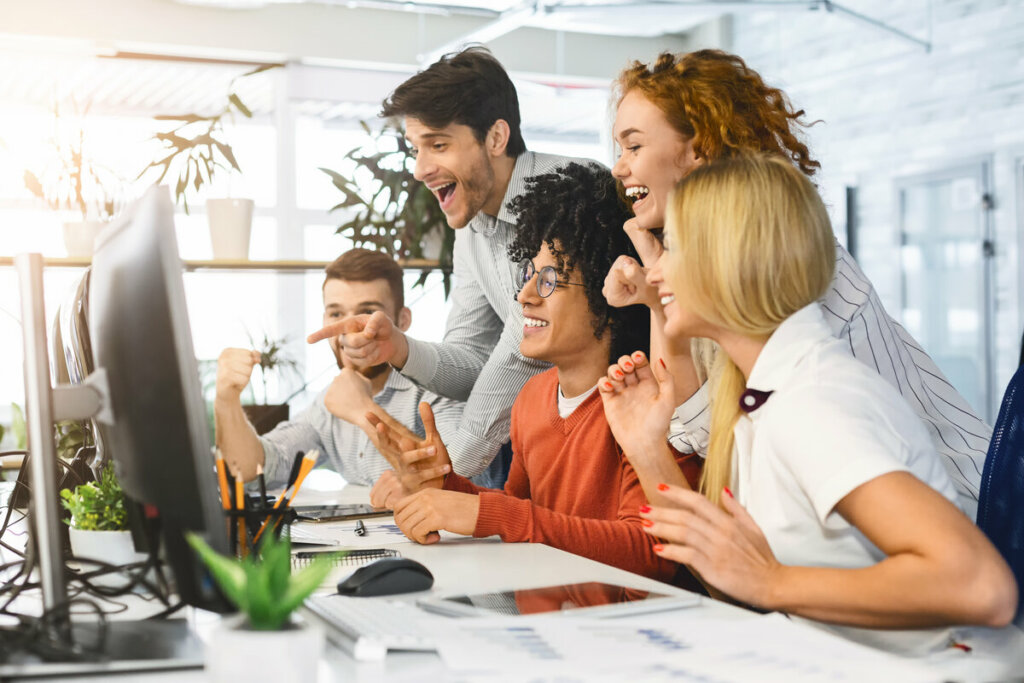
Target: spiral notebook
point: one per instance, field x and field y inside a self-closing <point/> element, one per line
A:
<point x="351" y="558"/>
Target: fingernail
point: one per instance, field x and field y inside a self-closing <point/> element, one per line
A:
<point x="645" y="509"/>
<point x="607" y="386"/>
<point x="658" y="547"/>
<point x="662" y="361"/>
<point x="431" y="450"/>
<point x="618" y="374"/>
<point x="446" y="469"/>
<point x="663" y="487"/>
<point x="627" y="365"/>
<point x="638" y="356"/>
<point x="727" y="491"/>
<point x="647" y="522"/>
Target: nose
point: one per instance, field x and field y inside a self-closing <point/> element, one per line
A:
<point x="528" y="293"/>
<point x="424" y="166"/>
<point x="619" y="170"/>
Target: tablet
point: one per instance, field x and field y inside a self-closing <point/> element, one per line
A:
<point x="334" y="513"/>
<point x="593" y="598"/>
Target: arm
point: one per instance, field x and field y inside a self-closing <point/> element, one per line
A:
<point x="939" y="570"/>
<point x="235" y="437"/>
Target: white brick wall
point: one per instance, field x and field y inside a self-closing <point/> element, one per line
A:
<point x="890" y="110"/>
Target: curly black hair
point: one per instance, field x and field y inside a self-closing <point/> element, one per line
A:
<point x="577" y="212"/>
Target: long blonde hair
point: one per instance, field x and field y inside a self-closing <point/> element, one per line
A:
<point x="750" y="244"/>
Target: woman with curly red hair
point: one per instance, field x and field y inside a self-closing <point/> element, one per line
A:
<point x="674" y="115"/>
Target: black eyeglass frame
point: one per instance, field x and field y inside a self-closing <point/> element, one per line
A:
<point x="547" y="277"/>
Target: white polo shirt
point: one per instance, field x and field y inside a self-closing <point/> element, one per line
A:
<point x="827" y="425"/>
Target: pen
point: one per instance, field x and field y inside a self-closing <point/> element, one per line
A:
<point x="360" y="528"/>
<point x="263" y="485"/>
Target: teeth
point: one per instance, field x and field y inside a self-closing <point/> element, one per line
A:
<point x="533" y="322"/>
<point x="667" y="299"/>
<point x="637" y="192"/>
<point x="442" y="189"/>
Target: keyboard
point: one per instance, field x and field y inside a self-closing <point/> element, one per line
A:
<point x="368" y="628"/>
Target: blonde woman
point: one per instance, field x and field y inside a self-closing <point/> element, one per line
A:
<point x="822" y="495"/>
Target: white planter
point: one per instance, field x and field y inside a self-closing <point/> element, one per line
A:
<point x="235" y="653"/>
<point x="230" y="227"/>
<point x="80" y="236"/>
<point x="111" y="547"/>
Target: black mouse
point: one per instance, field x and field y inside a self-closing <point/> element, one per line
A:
<point x="387" y="576"/>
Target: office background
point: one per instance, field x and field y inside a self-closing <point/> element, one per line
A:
<point x="921" y="137"/>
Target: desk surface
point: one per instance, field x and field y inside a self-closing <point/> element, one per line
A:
<point x="478" y="565"/>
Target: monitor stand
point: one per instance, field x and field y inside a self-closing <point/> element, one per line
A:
<point x="126" y="646"/>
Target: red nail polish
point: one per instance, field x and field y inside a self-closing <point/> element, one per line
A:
<point x="627" y="365"/>
<point x="647" y="522"/>
<point x="728" y="492"/>
<point x="658" y="547"/>
<point x="618" y="374"/>
<point x="662" y="361"/>
<point x="663" y="487"/>
<point x="645" y="509"/>
<point x="638" y="356"/>
<point x="607" y="386"/>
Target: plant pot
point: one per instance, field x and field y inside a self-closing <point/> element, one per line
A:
<point x="80" y="236"/>
<point x="238" y="653"/>
<point x="111" y="547"/>
<point x="230" y="227"/>
<point x="264" y="418"/>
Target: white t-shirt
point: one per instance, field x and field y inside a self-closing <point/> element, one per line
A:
<point x="829" y="425"/>
<point x="567" y="406"/>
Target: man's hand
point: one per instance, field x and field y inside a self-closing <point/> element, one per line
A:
<point x="234" y="368"/>
<point x="349" y="396"/>
<point x="421" y="515"/>
<point x="387" y="491"/>
<point x="626" y="284"/>
<point x="419" y="463"/>
<point x="367" y="340"/>
<point x="647" y="245"/>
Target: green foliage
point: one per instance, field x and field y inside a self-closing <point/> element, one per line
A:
<point x="18" y="427"/>
<point x="196" y="146"/>
<point x="98" y="505"/>
<point x="272" y="358"/>
<point x="71" y="435"/>
<point x="264" y="589"/>
<point x="399" y="212"/>
<point x="71" y="180"/>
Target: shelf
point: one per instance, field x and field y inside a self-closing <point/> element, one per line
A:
<point x="245" y="264"/>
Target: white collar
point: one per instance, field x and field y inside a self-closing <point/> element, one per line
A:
<point x="788" y="345"/>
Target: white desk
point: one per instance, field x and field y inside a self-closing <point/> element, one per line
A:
<point x="475" y="565"/>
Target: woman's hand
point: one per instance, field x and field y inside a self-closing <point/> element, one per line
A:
<point x="626" y="284"/>
<point x="646" y="243"/>
<point x="638" y="403"/>
<point x="723" y="545"/>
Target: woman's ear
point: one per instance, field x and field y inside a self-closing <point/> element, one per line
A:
<point x="404" y="319"/>
<point x="497" y="138"/>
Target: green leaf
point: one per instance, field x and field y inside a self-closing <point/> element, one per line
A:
<point x="18" y="427"/>
<point x="308" y="580"/>
<point x="225" y="571"/>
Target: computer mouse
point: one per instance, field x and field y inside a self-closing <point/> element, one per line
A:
<point x="387" y="576"/>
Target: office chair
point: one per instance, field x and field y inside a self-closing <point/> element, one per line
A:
<point x="1001" y="503"/>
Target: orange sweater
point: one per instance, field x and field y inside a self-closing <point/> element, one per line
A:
<point x="569" y="485"/>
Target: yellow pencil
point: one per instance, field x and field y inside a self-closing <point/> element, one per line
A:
<point x="286" y="497"/>
<point x="222" y="479"/>
<point x="240" y="506"/>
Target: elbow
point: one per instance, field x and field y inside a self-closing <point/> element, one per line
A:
<point x="993" y="595"/>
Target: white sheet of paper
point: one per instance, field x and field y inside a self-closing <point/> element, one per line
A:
<point x="379" y="532"/>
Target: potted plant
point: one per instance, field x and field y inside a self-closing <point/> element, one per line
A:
<point x="196" y="147"/>
<point x="87" y="193"/>
<point x="397" y="214"/>
<point x="99" y="524"/>
<point x="273" y="359"/>
<point x="265" y="642"/>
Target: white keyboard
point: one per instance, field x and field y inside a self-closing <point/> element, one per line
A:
<point x="368" y="627"/>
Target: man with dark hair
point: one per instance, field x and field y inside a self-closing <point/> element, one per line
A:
<point x="461" y="119"/>
<point x="359" y="282"/>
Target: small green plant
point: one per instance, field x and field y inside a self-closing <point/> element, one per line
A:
<point x="18" y="427"/>
<point x="264" y="589"/>
<point x="398" y="212"/>
<point x="98" y="505"/>
<point x="272" y="359"/>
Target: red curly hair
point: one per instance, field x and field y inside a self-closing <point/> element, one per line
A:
<point x="713" y="98"/>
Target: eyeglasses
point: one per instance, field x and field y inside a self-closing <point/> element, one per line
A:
<point x="547" y="278"/>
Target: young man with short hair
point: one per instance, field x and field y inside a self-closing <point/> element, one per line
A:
<point x="359" y="282"/>
<point x="461" y="118"/>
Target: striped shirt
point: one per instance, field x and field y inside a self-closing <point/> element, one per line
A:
<point x="343" y="446"/>
<point x="855" y="314"/>
<point x="479" y="361"/>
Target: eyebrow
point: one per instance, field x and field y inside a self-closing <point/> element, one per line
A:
<point x="430" y="136"/>
<point x="628" y="132"/>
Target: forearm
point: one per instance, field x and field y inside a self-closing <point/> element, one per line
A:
<point x="901" y="591"/>
<point x="236" y="439"/>
<point x="448" y="369"/>
<point x="619" y="543"/>
<point x="654" y="464"/>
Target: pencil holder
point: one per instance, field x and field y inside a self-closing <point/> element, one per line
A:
<point x="247" y="528"/>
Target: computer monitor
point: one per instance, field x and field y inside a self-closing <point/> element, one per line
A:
<point x="141" y="339"/>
